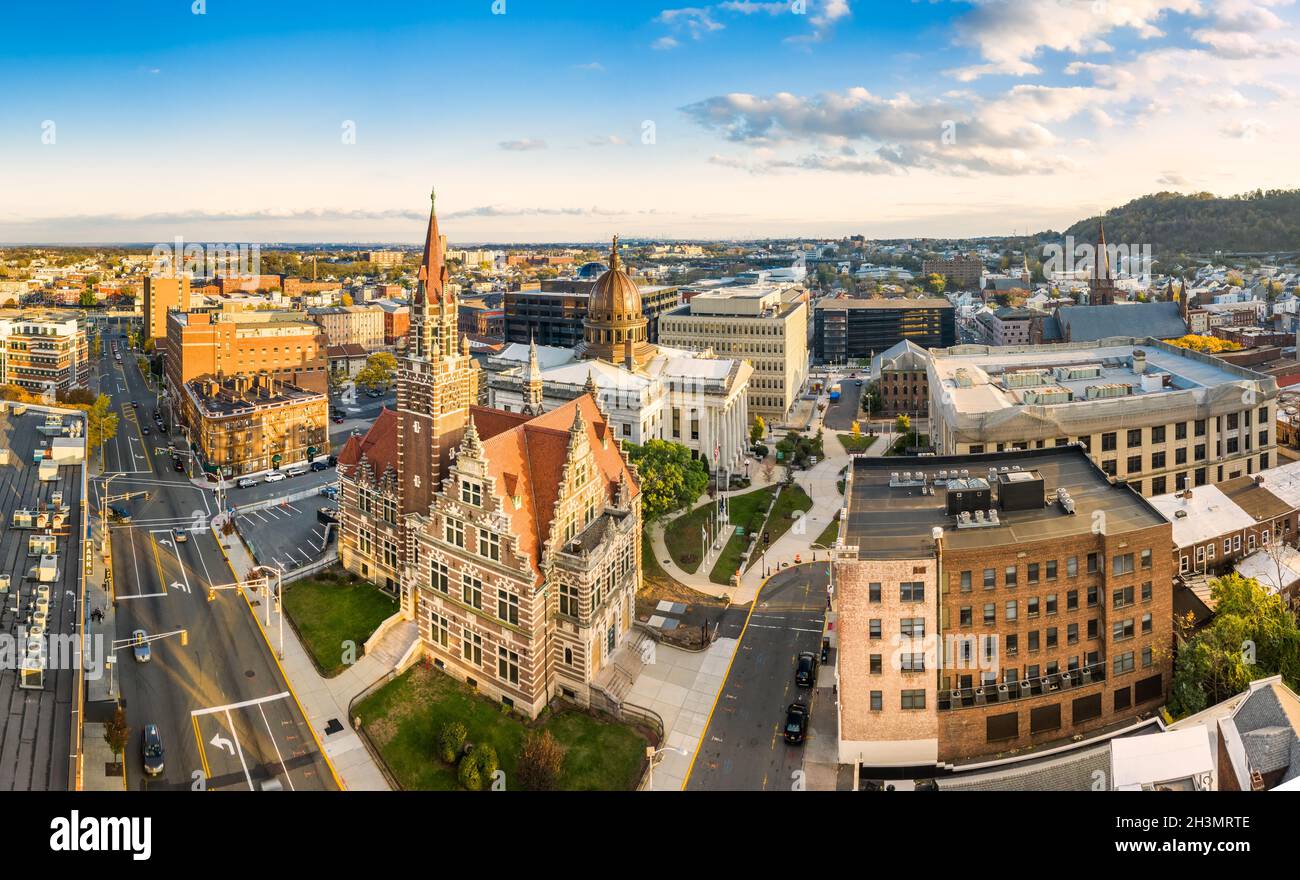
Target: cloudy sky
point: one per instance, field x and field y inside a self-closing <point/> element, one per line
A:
<point x="551" y="120"/>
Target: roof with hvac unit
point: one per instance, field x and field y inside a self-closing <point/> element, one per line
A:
<point x="894" y="504"/>
<point x="986" y="394"/>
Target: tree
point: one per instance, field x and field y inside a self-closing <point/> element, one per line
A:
<point x="670" y="478"/>
<point x="346" y="299"/>
<point x="101" y="423"/>
<point x="1252" y="635"/>
<point x="541" y="762"/>
<point x="935" y="283"/>
<point x="379" y="371"/>
<point x="903" y="423"/>
<point x="87" y="299"/>
<point x="856" y="429"/>
<point x="758" y="430"/>
<point x="116" y="731"/>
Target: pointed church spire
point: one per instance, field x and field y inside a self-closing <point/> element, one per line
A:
<point x="590" y="386"/>
<point x="433" y="271"/>
<point x="579" y="425"/>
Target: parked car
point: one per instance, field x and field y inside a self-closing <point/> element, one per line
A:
<point x="338" y="420"/>
<point x="805" y="673"/>
<point x="246" y="483"/>
<point x="180" y="536"/>
<point x="151" y="750"/>
<point x="319" y="466"/>
<point x="140" y="647"/>
<point x="330" y="492"/>
<point x="797" y="717"/>
<point x="333" y="460"/>
<point x="120" y="513"/>
<point x="297" y="472"/>
<point x="273" y="477"/>
<point x="327" y="515"/>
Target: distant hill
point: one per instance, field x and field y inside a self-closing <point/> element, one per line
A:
<point x="1172" y="223"/>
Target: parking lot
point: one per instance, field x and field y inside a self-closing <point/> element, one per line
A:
<point x="287" y="534"/>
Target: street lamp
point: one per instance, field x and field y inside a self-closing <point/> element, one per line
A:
<point x="279" y="598"/>
<point x="651" y="754"/>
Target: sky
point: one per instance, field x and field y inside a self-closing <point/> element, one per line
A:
<point x="558" y="120"/>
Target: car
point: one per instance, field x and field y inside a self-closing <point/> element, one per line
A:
<point x="327" y="515"/>
<point x="179" y="465"/>
<point x="145" y="431"/>
<point x="319" y="466"/>
<point x="330" y="492"/>
<point x="805" y="673"/>
<point x="333" y="460"/>
<point x="180" y="536"/>
<point x="246" y="483"/>
<point x="120" y="513"/>
<point x="338" y="420"/>
<point x="134" y="405"/>
<point x="151" y="750"/>
<point x="273" y="477"/>
<point x="297" y="472"/>
<point x="140" y="647"/>
<point x="797" y="717"/>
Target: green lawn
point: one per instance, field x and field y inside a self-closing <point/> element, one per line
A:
<point x="744" y="510"/>
<point x="404" y="716"/>
<point x="909" y="439"/>
<point x="792" y="498"/>
<point x="830" y="533"/>
<point x="852" y="444"/>
<point x="683" y="534"/>
<point x="327" y="613"/>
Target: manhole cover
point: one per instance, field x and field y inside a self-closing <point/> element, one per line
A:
<point x="248" y="673"/>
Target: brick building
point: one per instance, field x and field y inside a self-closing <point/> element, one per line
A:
<point x="901" y="377"/>
<point x="163" y="294"/>
<point x="214" y="345"/>
<point x="981" y="611"/>
<point x="962" y="272"/>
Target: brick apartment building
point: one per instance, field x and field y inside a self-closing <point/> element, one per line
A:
<point x="40" y="350"/>
<point x="962" y="272"/>
<point x="352" y="325"/>
<point x="213" y="345"/>
<point x="981" y="612"/>
<point x="901" y="379"/>
<point x="163" y="294"/>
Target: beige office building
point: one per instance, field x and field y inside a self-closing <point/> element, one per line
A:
<point x="1160" y="417"/>
<point x="763" y="324"/>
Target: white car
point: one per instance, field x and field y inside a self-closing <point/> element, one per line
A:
<point x="274" y="477"/>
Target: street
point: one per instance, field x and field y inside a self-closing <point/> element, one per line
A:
<point x="227" y="717"/>
<point x="743" y="748"/>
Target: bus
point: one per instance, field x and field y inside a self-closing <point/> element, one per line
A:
<point x="835" y="391"/>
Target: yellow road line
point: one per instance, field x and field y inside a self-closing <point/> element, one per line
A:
<point x="203" y="755"/>
<point x="162" y="578"/>
<point x="725" y="676"/>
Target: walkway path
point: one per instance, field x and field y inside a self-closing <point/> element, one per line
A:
<point x="821" y="484"/>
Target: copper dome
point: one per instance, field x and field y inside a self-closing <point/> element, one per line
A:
<point x="614" y="298"/>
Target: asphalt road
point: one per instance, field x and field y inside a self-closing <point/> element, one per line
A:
<point x="743" y="748"/>
<point x="841" y="413"/>
<point x="227" y="717"/>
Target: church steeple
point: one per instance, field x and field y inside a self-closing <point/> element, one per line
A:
<point x="1101" y="286"/>
<point x="434" y="312"/>
<point x="533" y="391"/>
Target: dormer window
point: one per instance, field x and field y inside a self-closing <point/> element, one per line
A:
<point x="471" y="493"/>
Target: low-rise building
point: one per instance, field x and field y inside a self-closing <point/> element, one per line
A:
<point x="352" y="325"/>
<point x="990" y="604"/>
<point x="246" y="424"/>
<point x="44" y="351"/>
<point x="846" y="328"/>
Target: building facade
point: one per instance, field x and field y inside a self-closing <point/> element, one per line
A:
<point x="1161" y="418"/>
<point x="764" y="325"/>
<point x="246" y="424"/>
<point x="962" y="272"/>
<point x="351" y="325"/>
<point x="218" y="344"/>
<point x="42" y="352"/>
<point x="858" y="329"/>
<point x="994" y="603"/>
<point x="556" y="313"/>
<point x="163" y="294"/>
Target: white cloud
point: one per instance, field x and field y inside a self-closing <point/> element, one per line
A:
<point x="1245" y="129"/>
<point x="665" y="43"/>
<point x="523" y="145"/>
<point x="696" y="21"/>
<point x="592" y="66"/>
<point x="1172" y="178"/>
<point x="607" y="140"/>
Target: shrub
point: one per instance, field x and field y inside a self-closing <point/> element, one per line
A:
<point x="488" y="762"/>
<point x="541" y="762"/>
<point x="469" y="775"/>
<point x="451" y="741"/>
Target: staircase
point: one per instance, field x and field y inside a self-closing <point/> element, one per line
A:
<point x="617" y="678"/>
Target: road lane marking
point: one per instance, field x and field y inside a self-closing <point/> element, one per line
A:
<point x="256" y="701"/>
<point x="240" y="749"/>
<point x="276" y="746"/>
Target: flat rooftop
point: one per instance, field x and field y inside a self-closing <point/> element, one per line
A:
<point x="988" y="381"/>
<point x="882" y="302"/>
<point x="896" y="521"/>
<point x="36" y="725"/>
<point x="228" y="400"/>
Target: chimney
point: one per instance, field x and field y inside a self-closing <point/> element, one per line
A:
<point x="1139" y="362"/>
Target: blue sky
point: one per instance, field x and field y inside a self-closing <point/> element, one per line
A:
<point x="571" y="120"/>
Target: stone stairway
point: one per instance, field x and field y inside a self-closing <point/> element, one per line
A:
<point x="617" y="678"/>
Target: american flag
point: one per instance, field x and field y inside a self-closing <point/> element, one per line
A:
<point x="716" y="449"/>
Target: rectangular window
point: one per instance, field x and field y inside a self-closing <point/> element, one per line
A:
<point x="1011" y="611"/>
<point x="965" y="581"/>
<point x="507" y="665"/>
<point x="1031" y="572"/>
<point x="873" y="592"/>
<point x="1121" y="630"/>
<point x="877" y="701"/>
<point x="1072" y="567"/>
<point x="877" y="664"/>
<point x="1010" y="575"/>
<point x="455" y="532"/>
<point x="914" y="699"/>
<point x="471" y="590"/>
<point x="1121" y="598"/>
<point x="489" y="545"/>
<point x="438" y="577"/>
<point x="569" y="600"/>
<point x="472" y="648"/>
<point x="471" y="493"/>
<point x="913" y="627"/>
<point x="990" y="578"/>
<point x="508" y="607"/>
<point x="1122" y="564"/>
<point x="874" y="628"/>
<point x="911" y="591"/>
<point x="1123" y="663"/>
<point x="1051" y="569"/>
<point x="990" y="614"/>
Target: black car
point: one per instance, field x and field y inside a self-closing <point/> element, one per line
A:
<point x="797" y="717"/>
<point x="151" y="750"/>
<point x="319" y="466"/>
<point x="805" y="673"/>
<point x="179" y="465"/>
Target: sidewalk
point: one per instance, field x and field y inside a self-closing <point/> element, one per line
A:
<point x="325" y="701"/>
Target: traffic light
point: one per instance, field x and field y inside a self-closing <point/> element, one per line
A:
<point x="212" y="594"/>
<point x="185" y="638"/>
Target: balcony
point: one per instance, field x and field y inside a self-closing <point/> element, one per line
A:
<point x="1011" y="691"/>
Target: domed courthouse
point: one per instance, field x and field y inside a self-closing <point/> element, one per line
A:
<point x="648" y="391"/>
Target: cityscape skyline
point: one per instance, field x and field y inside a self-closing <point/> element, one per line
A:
<point x="643" y="119"/>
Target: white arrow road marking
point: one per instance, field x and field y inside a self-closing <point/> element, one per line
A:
<point x="221" y="742"/>
<point x="184" y="588"/>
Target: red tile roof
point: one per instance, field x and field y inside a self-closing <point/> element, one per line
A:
<point x="527" y="460"/>
<point x="490" y="422"/>
<point x="379" y="445"/>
